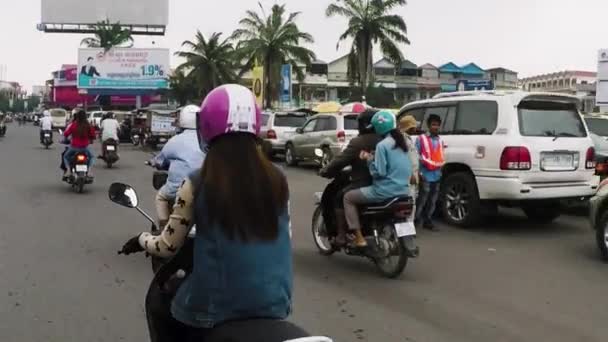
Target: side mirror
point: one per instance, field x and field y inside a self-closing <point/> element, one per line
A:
<point x="123" y="194"/>
<point x="299" y="130"/>
<point x="318" y="152"/>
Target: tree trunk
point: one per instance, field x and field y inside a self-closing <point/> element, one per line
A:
<point x="362" y="47"/>
<point x="267" y="85"/>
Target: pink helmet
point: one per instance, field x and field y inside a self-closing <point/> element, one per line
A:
<point x="228" y="109"/>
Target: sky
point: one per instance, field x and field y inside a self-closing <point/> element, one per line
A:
<point x="528" y="36"/>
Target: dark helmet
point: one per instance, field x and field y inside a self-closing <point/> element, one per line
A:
<point x="365" y="121"/>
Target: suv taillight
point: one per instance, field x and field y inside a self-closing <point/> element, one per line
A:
<point x="341" y="136"/>
<point x="515" y="158"/>
<point x="590" y="158"/>
<point x="271" y="134"/>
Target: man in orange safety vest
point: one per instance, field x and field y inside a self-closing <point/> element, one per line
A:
<point x="431" y="162"/>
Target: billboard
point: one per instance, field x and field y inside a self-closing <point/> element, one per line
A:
<point x="601" y="96"/>
<point x="286" y="83"/>
<point x="467" y="85"/>
<point x="123" y="68"/>
<point x="131" y="12"/>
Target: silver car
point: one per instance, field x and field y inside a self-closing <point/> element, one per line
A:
<point x="328" y="132"/>
<point x="278" y="128"/>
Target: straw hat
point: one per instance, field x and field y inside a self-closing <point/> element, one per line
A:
<point x="408" y="122"/>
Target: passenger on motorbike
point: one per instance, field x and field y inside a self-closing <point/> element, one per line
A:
<point x="81" y="134"/>
<point x="46" y="125"/>
<point x="181" y="155"/>
<point x="109" y="130"/>
<point x="390" y="168"/>
<point x="239" y="203"/>
<point x="360" y="175"/>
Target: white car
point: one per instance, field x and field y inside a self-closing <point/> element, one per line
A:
<point x="510" y="147"/>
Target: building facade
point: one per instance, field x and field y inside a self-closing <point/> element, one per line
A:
<point x="581" y="84"/>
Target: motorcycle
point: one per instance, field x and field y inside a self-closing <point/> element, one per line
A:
<point x="80" y="169"/>
<point x="388" y="228"/>
<point x="170" y="276"/>
<point x="110" y="153"/>
<point x="47" y="139"/>
<point x="2" y="129"/>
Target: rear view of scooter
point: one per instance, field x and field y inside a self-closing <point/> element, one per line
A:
<point x="110" y="152"/>
<point x="47" y="139"/>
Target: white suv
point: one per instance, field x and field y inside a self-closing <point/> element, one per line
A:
<point x="512" y="147"/>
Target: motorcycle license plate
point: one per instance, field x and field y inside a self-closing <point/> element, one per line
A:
<point x="136" y="136"/>
<point x="81" y="168"/>
<point x="405" y="229"/>
<point x="111" y="148"/>
<point x="47" y="135"/>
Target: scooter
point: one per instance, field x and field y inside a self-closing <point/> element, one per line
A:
<point x="388" y="228"/>
<point x="79" y="166"/>
<point x="2" y="129"/>
<point x="47" y="139"/>
<point x="110" y="152"/>
<point x="175" y="270"/>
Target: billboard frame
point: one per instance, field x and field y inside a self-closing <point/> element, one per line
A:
<point x="148" y="30"/>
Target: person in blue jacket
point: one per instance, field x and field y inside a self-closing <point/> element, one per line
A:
<point x="391" y="170"/>
<point x="181" y="155"/>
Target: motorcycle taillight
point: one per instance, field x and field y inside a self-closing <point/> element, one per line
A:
<point x="81" y="158"/>
<point x="403" y="210"/>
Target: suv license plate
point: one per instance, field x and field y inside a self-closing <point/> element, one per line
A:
<point x="81" y="168"/>
<point x="111" y="148"/>
<point x="557" y="162"/>
<point x="405" y="229"/>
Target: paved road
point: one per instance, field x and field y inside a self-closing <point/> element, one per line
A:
<point x="61" y="280"/>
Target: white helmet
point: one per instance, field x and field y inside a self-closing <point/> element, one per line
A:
<point x="187" y="117"/>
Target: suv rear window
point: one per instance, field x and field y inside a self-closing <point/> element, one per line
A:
<point x="350" y="122"/>
<point x="550" y="119"/>
<point x="289" y="120"/>
<point x="598" y="126"/>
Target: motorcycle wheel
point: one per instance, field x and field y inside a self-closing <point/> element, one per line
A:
<point x="393" y="265"/>
<point x="109" y="165"/>
<point x="80" y="185"/>
<point x="46" y="147"/>
<point x="319" y="233"/>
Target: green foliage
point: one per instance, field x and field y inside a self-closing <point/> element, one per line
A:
<point x="108" y="35"/>
<point x="370" y="22"/>
<point x="273" y="40"/>
<point x="209" y="64"/>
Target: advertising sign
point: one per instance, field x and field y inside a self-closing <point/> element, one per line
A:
<point x="467" y="85"/>
<point x="123" y="68"/>
<point x="132" y="12"/>
<point x="601" y="96"/>
<point x="286" y="83"/>
<point x="258" y="85"/>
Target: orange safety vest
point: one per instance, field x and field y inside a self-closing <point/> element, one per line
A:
<point x="431" y="157"/>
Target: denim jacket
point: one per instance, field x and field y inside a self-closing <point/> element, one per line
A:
<point x="233" y="280"/>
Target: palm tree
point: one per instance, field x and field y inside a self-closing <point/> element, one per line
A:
<point x="273" y="40"/>
<point x="182" y="88"/>
<point x="370" y="22"/>
<point x="108" y="35"/>
<point x="209" y="63"/>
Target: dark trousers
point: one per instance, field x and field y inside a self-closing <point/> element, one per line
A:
<point x="428" y="193"/>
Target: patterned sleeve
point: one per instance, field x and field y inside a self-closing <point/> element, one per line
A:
<point x="176" y="231"/>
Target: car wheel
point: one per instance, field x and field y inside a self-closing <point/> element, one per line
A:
<point x="460" y="202"/>
<point x="327" y="157"/>
<point x="290" y="158"/>
<point x="601" y="236"/>
<point x="543" y="212"/>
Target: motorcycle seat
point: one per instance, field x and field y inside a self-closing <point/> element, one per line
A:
<point x="371" y="208"/>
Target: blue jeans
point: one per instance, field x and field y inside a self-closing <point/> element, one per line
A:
<point x="71" y="153"/>
<point x="427" y="199"/>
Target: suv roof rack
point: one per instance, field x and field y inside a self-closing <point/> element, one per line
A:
<point x="474" y="93"/>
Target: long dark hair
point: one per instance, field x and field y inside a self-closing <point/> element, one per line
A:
<point x="399" y="139"/>
<point x="83" y="128"/>
<point x="244" y="193"/>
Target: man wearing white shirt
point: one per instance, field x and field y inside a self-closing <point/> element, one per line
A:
<point x="46" y="124"/>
